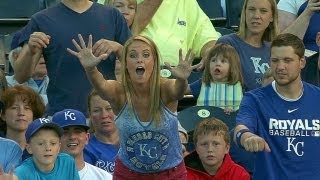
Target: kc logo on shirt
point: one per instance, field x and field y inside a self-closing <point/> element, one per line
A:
<point x="147" y="150"/>
<point x="296" y="146"/>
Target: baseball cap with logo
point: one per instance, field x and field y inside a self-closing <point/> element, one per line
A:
<point x="40" y="123"/>
<point x="70" y="117"/>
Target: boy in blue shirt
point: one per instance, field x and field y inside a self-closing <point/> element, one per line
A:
<point x="43" y="142"/>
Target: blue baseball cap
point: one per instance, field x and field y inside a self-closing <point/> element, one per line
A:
<point x="39" y="123"/>
<point x="70" y="117"/>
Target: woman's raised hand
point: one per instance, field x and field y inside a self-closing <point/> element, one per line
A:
<point x="184" y="68"/>
<point x="85" y="55"/>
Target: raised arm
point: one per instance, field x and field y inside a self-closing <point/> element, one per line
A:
<point x="107" y="89"/>
<point x="176" y="88"/>
<point x="29" y="56"/>
<point x="144" y="14"/>
<point x="300" y="25"/>
<point x="285" y="19"/>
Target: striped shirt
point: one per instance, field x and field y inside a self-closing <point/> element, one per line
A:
<point x="220" y="95"/>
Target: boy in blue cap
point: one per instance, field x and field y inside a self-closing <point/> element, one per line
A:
<point x="74" y="140"/>
<point x="43" y="142"/>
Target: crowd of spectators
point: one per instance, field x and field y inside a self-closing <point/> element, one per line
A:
<point x="89" y="95"/>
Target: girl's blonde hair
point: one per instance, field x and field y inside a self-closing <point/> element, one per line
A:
<point x="227" y="52"/>
<point x="154" y="104"/>
<point x="271" y="31"/>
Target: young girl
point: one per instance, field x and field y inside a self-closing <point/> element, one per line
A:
<point x="221" y="83"/>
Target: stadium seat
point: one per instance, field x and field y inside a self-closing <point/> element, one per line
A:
<point x="191" y="116"/>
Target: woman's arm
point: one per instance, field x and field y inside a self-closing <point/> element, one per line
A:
<point x="176" y="88"/>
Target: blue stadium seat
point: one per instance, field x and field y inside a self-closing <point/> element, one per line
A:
<point x="191" y="116"/>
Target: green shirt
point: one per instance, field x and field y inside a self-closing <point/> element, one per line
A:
<point x="179" y="24"/>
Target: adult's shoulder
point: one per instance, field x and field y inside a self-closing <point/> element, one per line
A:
<point x="232" y="39"/>
<point x="48" y="11"/>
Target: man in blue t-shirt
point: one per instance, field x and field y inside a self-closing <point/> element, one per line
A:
<point x="51" y="31"/>
<point x="279" y="122"/>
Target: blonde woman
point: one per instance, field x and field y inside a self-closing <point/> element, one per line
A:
<point x="145" y="105"/>
<point x="258" y="26"/>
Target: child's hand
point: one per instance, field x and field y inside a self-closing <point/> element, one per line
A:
<point x="85" y="55"/>
<point x="200" y="66"/>
<point x="228" y="111"/>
